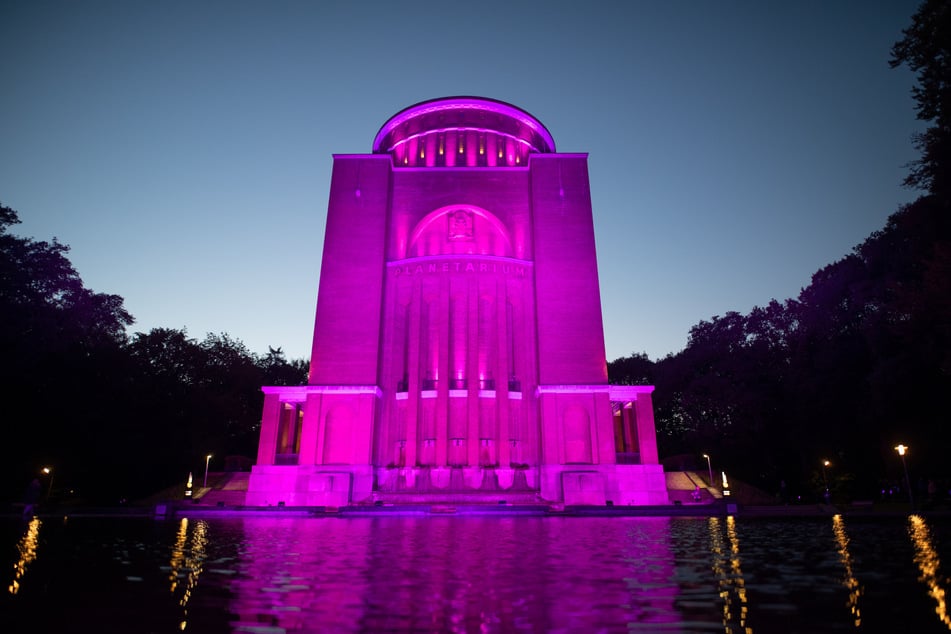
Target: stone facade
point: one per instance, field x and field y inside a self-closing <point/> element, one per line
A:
<point x="458" y="345"/>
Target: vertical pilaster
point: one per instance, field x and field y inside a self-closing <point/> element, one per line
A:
<point x="270" y="420"/>
<point x="444" y="376"/>
<point x="646" y="434"/>
<point x="502" y="374"/>
<point x="412" y="411"/>
<point x="473" y="445"/>
<point x="311" y="436"/>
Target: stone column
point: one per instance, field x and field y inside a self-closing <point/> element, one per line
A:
<point x="413" y="405"/>
<point x="473" y="446"/>
<point x="445" y="375"/>
<point x="502" y="375"/>
<point x="646" y="435"/>
<point x="311" y="436"/>
<point x="270" y="420"/>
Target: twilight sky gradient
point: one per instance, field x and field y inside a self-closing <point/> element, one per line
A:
<point x="183" y="149"/>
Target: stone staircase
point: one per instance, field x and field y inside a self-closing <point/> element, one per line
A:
<point x="228" y="489"/>
<point x="681" y="486"/>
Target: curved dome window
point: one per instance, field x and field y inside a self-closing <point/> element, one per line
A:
<point x="462" y="132"/>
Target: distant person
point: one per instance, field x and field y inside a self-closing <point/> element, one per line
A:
<point x="31" y="497"/>
<point x="696" y="494"/>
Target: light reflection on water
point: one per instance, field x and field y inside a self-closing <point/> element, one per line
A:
<point x="929" y="564"/>
<point x="26" y="549"/>
<point x="848" y="580"/>
<point x="266" y="575"/>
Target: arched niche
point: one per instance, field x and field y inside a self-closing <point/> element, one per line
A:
<point x="460" y="230"/>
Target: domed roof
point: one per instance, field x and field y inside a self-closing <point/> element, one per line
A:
<point x="459" y="120"/>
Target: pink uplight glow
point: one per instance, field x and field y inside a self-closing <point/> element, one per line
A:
<point x="459" y="311"/>
<point x="420" y="119"/>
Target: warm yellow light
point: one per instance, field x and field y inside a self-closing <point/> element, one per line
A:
<point x="929" y="564"/>
<point x="901" y="449"/>
<point x="46" y="470"/>
<point x="208" y="457"/>
<point x="27" y="549"/>
<point x="826" y="463"/>
<point x="706" y="456"/>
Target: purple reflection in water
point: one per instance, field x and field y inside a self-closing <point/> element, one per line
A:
<point x="455" y="574"/>
<point x="476" y="574"/>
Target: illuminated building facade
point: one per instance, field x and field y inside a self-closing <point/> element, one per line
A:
<point x="458" y="346"/>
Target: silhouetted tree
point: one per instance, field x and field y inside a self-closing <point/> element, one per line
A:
<point x="62" y="359"/>
<point x="926" y="50"/>
<point x="116" y="417"/>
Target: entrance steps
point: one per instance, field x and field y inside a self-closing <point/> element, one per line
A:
<point x="681" y="486"/>
<point x="218" y="497"/>
<point x="227" y="489"/>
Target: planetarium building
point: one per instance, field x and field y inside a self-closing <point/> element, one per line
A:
<point x="458" y="350"/>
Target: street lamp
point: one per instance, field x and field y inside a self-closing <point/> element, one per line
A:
<point x="49" y="471"/>
<point x="709" y="469"/>
<point x="207" y="460"/>
<point x="825" y="479"/>
<point x="902" y="449"/>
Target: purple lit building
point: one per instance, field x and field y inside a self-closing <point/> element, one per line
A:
<point x="458" y="348"/>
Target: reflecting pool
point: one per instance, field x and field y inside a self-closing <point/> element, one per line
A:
<point x="476" y="574"/>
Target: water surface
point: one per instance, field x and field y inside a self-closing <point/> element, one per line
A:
<point x="476" y="574"/>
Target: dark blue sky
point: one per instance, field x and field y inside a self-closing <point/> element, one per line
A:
<point x="183" y="149"/>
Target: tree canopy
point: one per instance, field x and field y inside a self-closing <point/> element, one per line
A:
<point x="926" y="50"/>
<point x="858" y="362"/>
<point x="116" y="416"/>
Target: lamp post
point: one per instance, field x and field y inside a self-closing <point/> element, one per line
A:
<point x="49" y="491"/>
<point x="207" y="460"/>
<point x="902" y="449"/>
<point x="825" y="479"/>
<point x="709" y="469"/>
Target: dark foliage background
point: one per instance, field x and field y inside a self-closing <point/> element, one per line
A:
<point x="117" y="417"/>
<point x="857" y="363"/>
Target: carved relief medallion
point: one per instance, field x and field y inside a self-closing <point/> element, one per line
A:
<point x="461" y="224"/>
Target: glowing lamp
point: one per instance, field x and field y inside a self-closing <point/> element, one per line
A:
<point x="49" y="490"/>
<point x="709" y="469"/>
<point x="207" y="460"/>
<point x="902" y="450"/>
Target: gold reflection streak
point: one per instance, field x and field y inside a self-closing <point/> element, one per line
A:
<point x="927" y="559"/>
<point x="194" y="559"/>
<point x="850" y="582"/>
<point x="716" y="547"/>
<point x="190" y="559"/>
<point x="178" y="553"/>
<point x="730" y="579"/>
<point x="738" y="572"/>
<point x="27" y="549"/>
